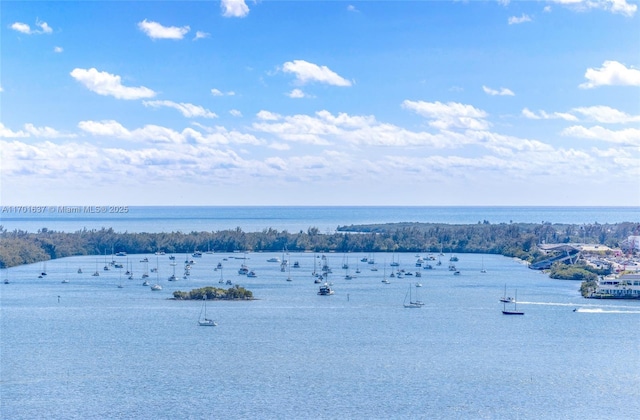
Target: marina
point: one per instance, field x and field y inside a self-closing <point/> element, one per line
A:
<point x="450" y="359"/>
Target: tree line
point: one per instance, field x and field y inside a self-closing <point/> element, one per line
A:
<point x="509" y="239"/>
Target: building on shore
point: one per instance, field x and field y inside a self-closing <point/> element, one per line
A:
<point x="626" y="286"/>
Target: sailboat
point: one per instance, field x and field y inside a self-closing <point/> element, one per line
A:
<point x="203" y="321"/>
<point x="385" y="280"/>
<point x="411" y="303"/>
<point x="515" y="310"/>
<point x="505" y="298"/>
<point x="289" y="274"/>
<point x="97" y="273"/>
<point x="482" y="270"/>
<point x="156" y="286"/>
<point x="66" y="278"/>
<point x="6" y="276"/>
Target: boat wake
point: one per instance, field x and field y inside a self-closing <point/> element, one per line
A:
<point x="605" y="311"/>
<point x="585" y="307"/>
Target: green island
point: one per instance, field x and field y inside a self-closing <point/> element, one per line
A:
<point x="214" y="293"/>
<point x="525" y="241"/>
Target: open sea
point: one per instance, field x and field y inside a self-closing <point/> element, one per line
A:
<point x="292" y="219"/>
<point x="87" y="349"/>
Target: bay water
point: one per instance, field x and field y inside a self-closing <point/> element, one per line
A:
<point x="87" y="349"/>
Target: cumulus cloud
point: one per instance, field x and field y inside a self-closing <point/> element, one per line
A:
<point x="107" y="84"/>
<point x="31" y="130"/>
<point x="306" y="72"/>
<point x="154" y="30"/>
<point x="449" y="115"/>
<point x="26" y="29"/>
<point x="217" y="92"/>
<point x="268" y="116"/>
<point x="8" y="133"/>
<point x="514" y="20"/>
<point x="627" y="136"/>
<point x="352" y="8"/>
<point x="296" y="94"/>
<point x="201" y="35"/>
<point x="614" y="6"/>
<point x="187" y="110"/>
<point x="234" y="8"/>
<point x="606" y="115"/>
<point x="543" y="115"/>
<point x="235" y="113"/>
<point x="611" y="73"/>
<point x="58" y="49"/>
<point x="499" y="92"/>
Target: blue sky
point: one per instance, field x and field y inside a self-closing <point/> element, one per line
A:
<point x="320" y="103"/>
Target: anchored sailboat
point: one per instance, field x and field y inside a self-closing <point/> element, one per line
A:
<point x="203" y="321"/>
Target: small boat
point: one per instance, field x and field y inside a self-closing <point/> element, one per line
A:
<point x="203" y="321"/>
<point x="79" y="270"/>
<point x="244" y="270"/>
<point x="325" y="290"/>
<point x="411" y="303"/>
<point x="515" y="310"/>
<point x="156" y="287"/>
<point x="505" y="298"/>
<point x="228" y="283"/>
<point x="274" y="259"/>
<point x="252" y="274"/>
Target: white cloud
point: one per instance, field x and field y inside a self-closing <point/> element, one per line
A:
<point x="500" y="92"/>
<point x="628" y="136"/>
<point x="614" y="6"/>
<point x="546" y="9"/>
<point x="58" y="49"/>
<point x="352" y="8"/>
<point x="107" y="84"/>
<point x="450" y="115"/>
<point x="154" y="30"/>
<point x="543" y="115"/>
<point x="31" y="130"/>
<point x="7" y="133"/>
<point x="306" y="72"/>
<point x="217" y="92"/>
<point x="45" y="132"/>
<point x="234" y="8"/>
<point x="611" y="73"/>
<point x="268" y="116"/>
<point x="607" y="115"/>
<point x="235" y="113"/>
<point x="26" y="29"/>
<point x="296" y="93"/>
<point x="514" y="20"/>
<point x="187" y="110"/>
<point x="201" y="35"/>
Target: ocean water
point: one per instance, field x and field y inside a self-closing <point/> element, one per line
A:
<point x="292" y="219"/>
<point x="90" y="350"/>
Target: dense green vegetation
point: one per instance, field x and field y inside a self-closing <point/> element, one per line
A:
<point x="586" y="287"/>
<point x="234" y="293"/>
<point x="509" y="239"/>
<point x="572" y="272"/>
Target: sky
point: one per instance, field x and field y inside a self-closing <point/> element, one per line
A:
<point x="392" y="103"/>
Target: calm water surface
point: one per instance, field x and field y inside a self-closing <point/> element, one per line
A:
<point x="90" y="350"/>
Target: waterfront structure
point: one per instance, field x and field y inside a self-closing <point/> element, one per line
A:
<point x="627" y="286"/>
